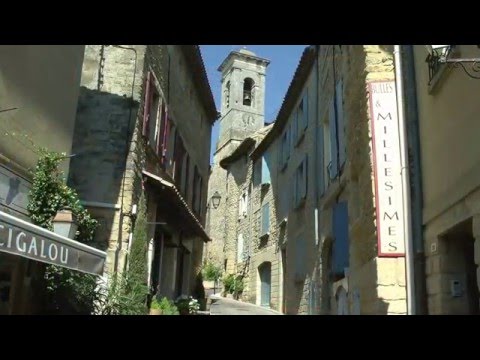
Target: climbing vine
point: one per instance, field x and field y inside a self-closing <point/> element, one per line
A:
<point x="65" y="290"/>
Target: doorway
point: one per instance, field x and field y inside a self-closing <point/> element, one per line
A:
<point x="284" y="280"/>
<point x="265" y="272"/>
<point x="459" y="271"/>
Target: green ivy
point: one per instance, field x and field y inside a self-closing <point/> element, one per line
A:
<point x="137" y="274"/>
<point x="66" y="290"/>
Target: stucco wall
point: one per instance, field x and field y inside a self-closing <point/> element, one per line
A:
<point x="42" y="82"/>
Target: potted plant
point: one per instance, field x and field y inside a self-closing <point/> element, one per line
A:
<point x="187" y="305"/>
<point x="155" y="307"/>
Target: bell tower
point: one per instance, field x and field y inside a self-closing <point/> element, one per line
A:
<point x="242" y="110"/>
<point x="243" y="96"/>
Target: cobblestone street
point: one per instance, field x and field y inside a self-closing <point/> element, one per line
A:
<point x="224" y="306"/>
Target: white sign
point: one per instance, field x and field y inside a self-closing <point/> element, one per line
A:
<point x="387" y="169"/>
<point x="21" y="238"/>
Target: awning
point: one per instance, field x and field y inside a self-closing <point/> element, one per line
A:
<point x="21" y="238"/>
<point x="182" y="213"/>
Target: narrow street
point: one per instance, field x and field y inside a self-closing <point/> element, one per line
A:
<point x="224" y="306"/>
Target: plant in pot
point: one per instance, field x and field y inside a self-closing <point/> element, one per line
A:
<point x="187" y="305"/>
<point x="155" y="307"/>
<point x="167" y="307"/>
<point x="233" y="285"/>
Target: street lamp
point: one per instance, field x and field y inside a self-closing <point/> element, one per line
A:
<point x="439" y="55"/>
<point x="65" y="224"/>
<point x="216" y="197"/>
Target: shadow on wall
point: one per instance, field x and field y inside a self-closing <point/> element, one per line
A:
<point x="103" y="130"/>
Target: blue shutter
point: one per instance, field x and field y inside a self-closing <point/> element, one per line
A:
<point x="265" y="169"/>
<point x="333" y="141"/>
<point x="340" y="254"/>
<point x="281" y="152"/>
<point x="321" y="166"/>
<point x="294" y="129"/>
<point x="265" y="219"/>
<point x="305" y="109"/>
<point x="305" y="178"/>
<point x="293" y="124"/>
<point x="300" y="258"/>
<point x="287" y="145"/>
<point x="341" y="123"/>
<point x="257" y="172"/>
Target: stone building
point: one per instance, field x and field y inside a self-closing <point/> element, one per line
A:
<point x="361" y="251"/>
<point x="288" y="150"/>
<point x="242" y="114"/>
<point x="442" y="107"/>
<point x="333" y="256"/>
<point x="39" y="87"/>
<point x="144" y="121"/>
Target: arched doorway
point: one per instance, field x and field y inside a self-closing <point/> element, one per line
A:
<point x="342" y="301"/>
<point x="265" y="274"/>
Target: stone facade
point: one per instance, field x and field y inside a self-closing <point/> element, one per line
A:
<point x="373" y="285"/>
<point x="135" y="130"/>
<point x="322" y="185"/>
<point x="446" y="106"/>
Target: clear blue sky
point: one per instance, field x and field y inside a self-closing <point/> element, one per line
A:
<point x="283" y="62"/>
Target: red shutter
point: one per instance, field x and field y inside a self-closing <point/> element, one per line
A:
<point x="161" y="130"/>
<point x="165" y="134"/>
<point x="147" y="102"/>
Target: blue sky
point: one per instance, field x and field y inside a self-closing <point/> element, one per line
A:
<point x="283" y="62"/>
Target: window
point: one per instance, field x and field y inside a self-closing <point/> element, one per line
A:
<point x="320" y="179"/>
<point x="226" y="94"/>
<point x="240" y="251"/>
<point x="184" y="179"/>
<point x="340" y="254"/>
<point x="342" y="144"/>
<point x="257" y="172"/>
<point x="243" y="205"/>
<point x="248" y="92"/>
<point x="178" y="161"/>
<point x="265" y="230"/>
<point x="293" y="133"/>
<point x="301" y="183"/>
<point x="152" y="112"/>
<point x="196" y="180"/>
<point x="284" y="153"/>
<point x="265" y="169"/>
<point x="153" y="120"/>
<point x="301" y="118"/>
<point x="171" y="137"/>
<point x="162" y="133"/>
<point x="300" y="258"/>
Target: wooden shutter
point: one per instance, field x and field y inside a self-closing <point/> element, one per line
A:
<point x="340" y="253"/>
<point x="333" y="141"/>
<point x="147" y="104"/>
<point x="305" y="178"/>
<point x="265" y="219"/>
<point x="340" y="124"/>
<point x="161" y="130"/>
<point x="305" y="109"/>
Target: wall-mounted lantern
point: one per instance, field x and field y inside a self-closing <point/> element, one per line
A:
<point x="439" y="55"/>
<point x="65" y="224"/>
<point x="216" y="197"/>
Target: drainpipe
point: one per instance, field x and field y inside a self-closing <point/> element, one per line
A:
<point x="405" y="182"/>
<point x="127" y="150"/>
<point x="316" y="167"/>
<point x="411" y="113"/>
